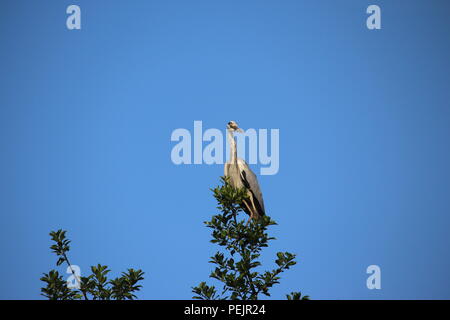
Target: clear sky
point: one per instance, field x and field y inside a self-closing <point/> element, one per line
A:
<point x="364" y="117"/>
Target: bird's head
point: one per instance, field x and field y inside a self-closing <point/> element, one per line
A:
<point x="232" y="126"/>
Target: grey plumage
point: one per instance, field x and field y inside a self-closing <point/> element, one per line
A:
<point x="240" y="175"/>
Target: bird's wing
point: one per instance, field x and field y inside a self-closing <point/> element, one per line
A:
<point x="251" y="182"/>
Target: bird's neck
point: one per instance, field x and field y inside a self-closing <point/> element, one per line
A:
<point x="233" y="148"/>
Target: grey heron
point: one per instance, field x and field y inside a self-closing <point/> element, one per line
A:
<point x="241" y="176"/>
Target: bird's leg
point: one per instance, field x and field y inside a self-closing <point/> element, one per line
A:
<point x="251" y="212"/>
<point x="255" y="215"/>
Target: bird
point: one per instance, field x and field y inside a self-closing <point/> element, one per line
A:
<point x="241" y="176"/>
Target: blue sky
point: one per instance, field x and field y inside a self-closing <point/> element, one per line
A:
<point x="364" y="119"/>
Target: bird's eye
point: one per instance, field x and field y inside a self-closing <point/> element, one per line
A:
<point x="229" y="123"/>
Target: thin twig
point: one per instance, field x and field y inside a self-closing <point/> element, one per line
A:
<point x="73" y="272"/>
